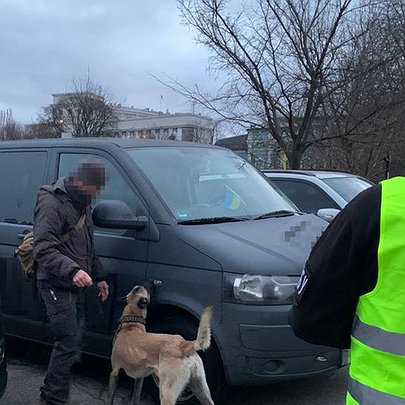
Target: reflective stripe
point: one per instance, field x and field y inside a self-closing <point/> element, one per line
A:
<point x="379" y="339"/>
<point x="377" y="369"/>
<point x="350" y="400"/>
<point x="369" y="396"/>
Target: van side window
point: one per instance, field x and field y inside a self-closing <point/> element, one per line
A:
<point x="22" y="174"/>
<point x="116" y="187"/>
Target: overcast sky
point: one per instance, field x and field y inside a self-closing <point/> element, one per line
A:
<point x="44" y="44"/>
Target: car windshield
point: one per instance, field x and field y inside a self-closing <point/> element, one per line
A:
<point x="200" y="183"/>
<point x="348" y="187"/>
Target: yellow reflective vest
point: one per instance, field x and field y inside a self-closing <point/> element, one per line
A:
<point x="377" y="371"/>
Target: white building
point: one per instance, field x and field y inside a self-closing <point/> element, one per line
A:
<point x="133" y="122"/>
<point x="145" y="123"/>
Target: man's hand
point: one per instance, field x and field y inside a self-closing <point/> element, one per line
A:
<point x="103" y="290"/>
<point x="82" y="279"/>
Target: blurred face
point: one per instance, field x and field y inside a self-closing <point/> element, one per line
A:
<point x="90" y="191"/>
<point x="89" y="180"/>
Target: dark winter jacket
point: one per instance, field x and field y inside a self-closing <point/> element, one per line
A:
<point x="56" y="213"/>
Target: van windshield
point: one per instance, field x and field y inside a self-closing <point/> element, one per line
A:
<point x="197" y="183"/>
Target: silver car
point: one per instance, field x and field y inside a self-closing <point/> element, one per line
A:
<point x="319" y="192"/>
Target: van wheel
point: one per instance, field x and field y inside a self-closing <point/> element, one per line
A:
<point x="180" y="325"/>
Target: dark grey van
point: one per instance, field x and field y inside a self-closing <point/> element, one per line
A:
<point x="197" y="219"/>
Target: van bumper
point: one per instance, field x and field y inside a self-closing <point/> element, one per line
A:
<point x="259" y="347"/>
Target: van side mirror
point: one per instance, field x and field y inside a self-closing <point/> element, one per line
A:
<point x="328" y="214"/>
<point x="116" y="214"/>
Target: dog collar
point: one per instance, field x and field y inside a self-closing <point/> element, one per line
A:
<point x="132" y="319"/>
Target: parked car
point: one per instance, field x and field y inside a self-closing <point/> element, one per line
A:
<point x="201" y="222"/>
<point x="319" y="192"/>
<point x="3" y="361"/>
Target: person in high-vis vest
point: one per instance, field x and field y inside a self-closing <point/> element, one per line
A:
<point x="351" y="293"/>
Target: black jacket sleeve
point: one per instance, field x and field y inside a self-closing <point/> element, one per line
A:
<point x="47" y="234"/>
<point x="98" y="273"/>
<point x="341" y="267"/>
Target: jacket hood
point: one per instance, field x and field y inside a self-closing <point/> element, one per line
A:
<point x="58" y="189"/>
<point x="60" y="185"/>
<point x="62" y="191"/>
<point x="276" y="246"/>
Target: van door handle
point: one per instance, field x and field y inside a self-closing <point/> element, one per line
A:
<point x="21" y="235"/>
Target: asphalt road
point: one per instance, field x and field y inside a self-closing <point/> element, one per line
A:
<point x="27" y="366"/>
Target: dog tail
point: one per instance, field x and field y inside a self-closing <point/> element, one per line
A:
<point x="203" y="340"/>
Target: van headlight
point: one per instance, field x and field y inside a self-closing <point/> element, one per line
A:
<point x="264" y="290"/>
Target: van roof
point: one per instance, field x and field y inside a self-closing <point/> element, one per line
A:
<point x="98" y="142"/>
<point x="321" y="174"/>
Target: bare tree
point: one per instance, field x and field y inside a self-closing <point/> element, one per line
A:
<point x="367" y="114"/>
<point x="10" y="129"/>
<point x="42" y="129"/>
<point x="280" y="58"/>
<point x="87" y="110"/>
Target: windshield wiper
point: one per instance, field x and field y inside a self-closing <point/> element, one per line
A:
<point x="213" y="220"/>
<point x="276" y="214"/>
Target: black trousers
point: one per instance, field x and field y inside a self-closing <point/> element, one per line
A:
<point x="66" y="313"/>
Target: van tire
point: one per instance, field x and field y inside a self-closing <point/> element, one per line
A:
<point x="181" y="325"/>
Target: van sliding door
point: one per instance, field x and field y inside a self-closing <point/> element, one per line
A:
<point x="22" y="173"/>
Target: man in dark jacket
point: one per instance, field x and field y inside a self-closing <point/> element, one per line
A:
<point x="66" y="264"/>
<point x="351" y="293"/>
